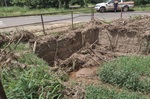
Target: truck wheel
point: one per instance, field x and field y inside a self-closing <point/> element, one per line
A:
<point x="102" y="9"/>
<point x="125" y="9"/>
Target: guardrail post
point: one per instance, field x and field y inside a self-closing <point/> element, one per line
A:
<point x="72" y="18"/>
<point x="92" y="13"/>
<point x="2" y="92"/>
<point x="43" y="24"/>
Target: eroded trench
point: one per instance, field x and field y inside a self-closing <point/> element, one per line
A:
<point x="80" y="51"/>
<point x="83" y="49"/>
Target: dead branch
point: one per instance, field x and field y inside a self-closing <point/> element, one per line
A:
<point x="34" y="46"/>
<point x="18" y="41"/>
<point x="116" y="41"/>
<point x="93" y="43"/>
<point x="97" y="55"/>
<point x="111" y="45"/>
<point x="55" y="57"/>
<point x="7" y="46"/>
<point x="95" y="60"/>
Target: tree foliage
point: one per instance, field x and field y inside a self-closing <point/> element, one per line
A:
<point x="5" y="3"/>
<point x="42" y="3"/>
<point x="141" y="2"/>
<point x="57" y="3"/>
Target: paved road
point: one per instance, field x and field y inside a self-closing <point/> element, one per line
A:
<point x="15" y="21"/>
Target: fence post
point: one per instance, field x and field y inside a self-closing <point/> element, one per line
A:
<point x="72" y="18"/>
<point x="121" y="13"/>
<point x="43" y="24"/>
<point x="2" y="92"/>
<point x="92" y="13"/>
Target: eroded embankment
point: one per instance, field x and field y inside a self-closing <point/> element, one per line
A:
<point x="127" y="35"/>
<point x="77" y="48"/>
<point x="54" y="48"/>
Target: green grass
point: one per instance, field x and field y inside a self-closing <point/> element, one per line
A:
<point x="93" y="92"/>
<point x="31" y="83"/>
<point x="130" y="72"/>
<point x="36" y="81"/>
<point x="141" y="8"/>
<point x="15" y="11"/>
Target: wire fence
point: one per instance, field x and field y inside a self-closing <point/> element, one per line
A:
<point x="42" y="19"/>
<point x="24" y="20"/>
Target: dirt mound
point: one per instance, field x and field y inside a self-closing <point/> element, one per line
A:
<point x="140" y="24"/>
<point x="125" y="35"/>
<point x="23" y="36"/>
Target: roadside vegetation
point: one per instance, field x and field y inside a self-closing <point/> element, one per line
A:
<point x="33" y="81"/>
<point x="142" y="8"/>
<point x="16" y="11"/>
<point x="25" y="7"/>
<point x="102" y="92"/>
<point x="130" y="72"/>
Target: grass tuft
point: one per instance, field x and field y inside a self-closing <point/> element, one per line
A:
<point x="129" y="72"/>
<point x="31" y="83"/>
<point x="93" y="92"/>
<point x="36" y="81"/>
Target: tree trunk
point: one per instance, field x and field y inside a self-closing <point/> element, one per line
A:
<point x="67" y="3"/>
<point x="5" y="3"/>
<point x="60" y="5"/>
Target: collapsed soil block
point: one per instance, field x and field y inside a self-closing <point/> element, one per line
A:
<point x="51" y="48"/>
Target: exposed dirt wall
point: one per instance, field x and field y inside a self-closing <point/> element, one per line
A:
<point x="127" y="35"/>
<point x="52" y="48"/>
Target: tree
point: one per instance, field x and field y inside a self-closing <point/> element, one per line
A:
<point x="82" y="3"/>
<point x="1" y="3"/>
<point x="42" y="3"/>
<point x="141" y="2"/>
<point x="96" y="1"/>
<point x="5" y="3"/>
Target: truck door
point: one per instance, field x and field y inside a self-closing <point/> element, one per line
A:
<point x="120" y="3"/>
<point x="110" y="5"/>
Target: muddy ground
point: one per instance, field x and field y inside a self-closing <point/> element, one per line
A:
<point x="80" y="51"/>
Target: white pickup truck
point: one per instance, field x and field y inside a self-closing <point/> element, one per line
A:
<point x="108" y="5"/>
